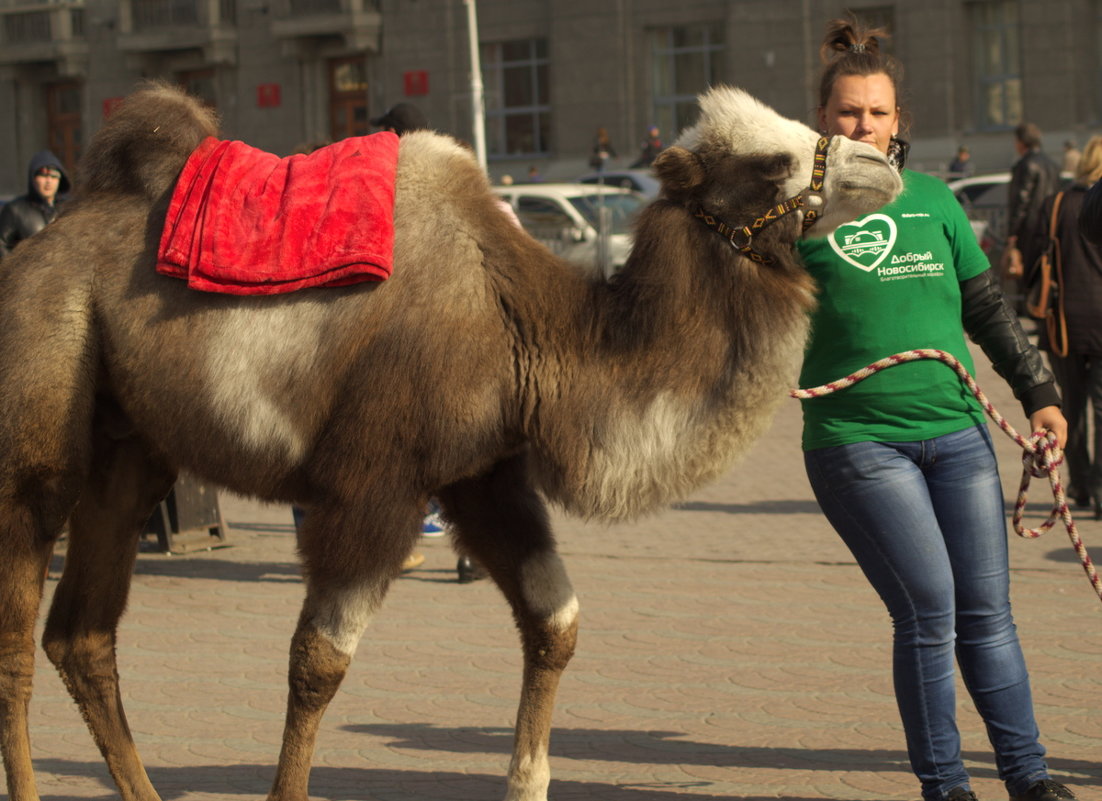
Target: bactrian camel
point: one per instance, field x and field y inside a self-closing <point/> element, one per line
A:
<point x="485" y="372"/>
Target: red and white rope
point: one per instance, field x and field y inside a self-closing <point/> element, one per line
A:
<point x="1041" y="455"/>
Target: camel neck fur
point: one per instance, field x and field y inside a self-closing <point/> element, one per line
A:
<point x="650" y="384"/>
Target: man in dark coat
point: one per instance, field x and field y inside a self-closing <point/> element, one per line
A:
<point x="28" y="214"/>
<point x="1033" y="177"/>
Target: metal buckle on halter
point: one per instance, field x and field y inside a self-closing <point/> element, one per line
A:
<point x="747" y="237"/>
<point x="798" y="201"/>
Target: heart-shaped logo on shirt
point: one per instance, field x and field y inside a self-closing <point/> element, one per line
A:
<point x="866" y="242"/>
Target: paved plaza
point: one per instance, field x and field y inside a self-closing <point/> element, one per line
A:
<point x="729" y="649"/>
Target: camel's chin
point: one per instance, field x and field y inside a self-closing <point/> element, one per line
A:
<point x="871" y="194"/>
<point x="862" y="200"/>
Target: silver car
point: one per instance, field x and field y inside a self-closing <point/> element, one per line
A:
<point x="571" y="218"/>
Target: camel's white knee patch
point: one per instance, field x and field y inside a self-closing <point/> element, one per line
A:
<point x="341" y="615"/>
<point x="529" y="777"/>
<point x="548" y="591"/>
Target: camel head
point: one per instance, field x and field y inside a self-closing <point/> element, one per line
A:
<point x="742" y="161"/>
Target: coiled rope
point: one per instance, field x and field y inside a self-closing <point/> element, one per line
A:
<point x="1041" y="455"/>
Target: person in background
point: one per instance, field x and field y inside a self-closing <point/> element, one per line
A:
<point x="1033" y="177"/>
<point x="902" y="463"/>
<point x="400" y="119"/>
<point x="403" y="118"/>
<point x="1079" y="373"/>
<point x="602" y="150"/>
<point x="1071" y="159"/>
<point x="28" y="214"/>
<point x="961" y="166"/>
<point x="650" y="149"/>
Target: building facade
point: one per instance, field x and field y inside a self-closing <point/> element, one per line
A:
<point x="288" y="74"/>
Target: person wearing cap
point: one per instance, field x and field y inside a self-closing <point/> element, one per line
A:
<point x="28" y="214"/>
<point x="402" y="118"/>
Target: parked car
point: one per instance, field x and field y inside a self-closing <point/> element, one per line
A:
<point x="984" y="199"/>
<point x="565" y="217"/>
<point x="642" y="181"/>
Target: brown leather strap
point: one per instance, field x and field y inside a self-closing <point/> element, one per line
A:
<point x="1056" y="321"/>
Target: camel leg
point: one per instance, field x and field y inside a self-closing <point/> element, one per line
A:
<point x="349" y="559"/>
<point x="502" y="522"/>
<point x="124" y="485"/>
<point x="26" y="554"/>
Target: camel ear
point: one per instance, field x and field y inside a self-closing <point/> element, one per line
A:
<point x="680" y="170"/>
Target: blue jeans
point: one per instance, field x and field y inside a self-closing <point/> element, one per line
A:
<point x="925" y="522"/>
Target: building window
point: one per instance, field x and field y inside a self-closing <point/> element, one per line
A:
<point x="150" y="14"/>
<point x="685" y="61"/>
<point x="27" y="26"/>
<point x="347" y="98"/>
<point x="996" y="67"/>
<point x="517" y="85"/>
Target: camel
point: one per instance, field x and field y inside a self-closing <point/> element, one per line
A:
<point x="485" y="372"/>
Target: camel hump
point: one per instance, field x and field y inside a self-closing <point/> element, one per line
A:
<point x="142" y="147"/>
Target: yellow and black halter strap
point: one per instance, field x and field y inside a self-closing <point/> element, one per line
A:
<point x="742" y="238"/>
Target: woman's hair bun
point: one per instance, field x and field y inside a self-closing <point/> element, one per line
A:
<point x="844" y="36"/>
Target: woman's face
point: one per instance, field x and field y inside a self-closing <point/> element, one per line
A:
<point x="862" y="107"/>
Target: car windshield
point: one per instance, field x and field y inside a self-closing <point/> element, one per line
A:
<point x="622" y="208"/>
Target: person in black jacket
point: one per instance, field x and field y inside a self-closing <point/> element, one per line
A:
<point x="1033" y="177"/>
<point x="1079" y="371"/>
<point x="28" y="214"/>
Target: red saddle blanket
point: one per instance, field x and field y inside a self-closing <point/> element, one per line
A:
<point x="246" y="222"/>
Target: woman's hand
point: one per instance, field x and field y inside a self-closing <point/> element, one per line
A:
<point x="1050" y="418"/>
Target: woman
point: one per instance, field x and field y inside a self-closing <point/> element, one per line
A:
<point x="902" y="463"/>
<point x="1079" y="373"/>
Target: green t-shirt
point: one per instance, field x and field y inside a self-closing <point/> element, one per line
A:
<point x="890" y="282"/>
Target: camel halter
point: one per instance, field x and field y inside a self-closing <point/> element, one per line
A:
<point x="742" y="239"/>
<point x="1041" y="456"/>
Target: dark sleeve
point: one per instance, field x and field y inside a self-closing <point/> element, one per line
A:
<point x="1020" y="201"/>
<point x="1035" y="240"/>
<point x="1090" y="216"/>
<point x="9" y="230"/>
<point x="993" y="325"/>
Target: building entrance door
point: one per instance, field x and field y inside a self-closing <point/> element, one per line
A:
<point x="347" y="98"/>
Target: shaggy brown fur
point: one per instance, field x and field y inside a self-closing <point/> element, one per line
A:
<point x="485" y="372"/>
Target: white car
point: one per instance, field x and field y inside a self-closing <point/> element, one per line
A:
<point x="566" y="218"/>
<point x="984" y="198"/>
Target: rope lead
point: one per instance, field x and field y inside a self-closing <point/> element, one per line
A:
<point x="1041" y="455"/>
